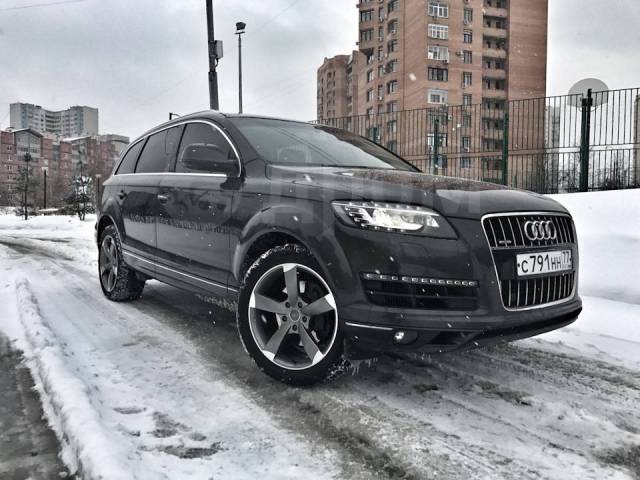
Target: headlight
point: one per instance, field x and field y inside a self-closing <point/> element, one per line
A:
<point x="394" y="218"/>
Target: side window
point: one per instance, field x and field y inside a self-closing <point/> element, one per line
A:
<point x="158" y="152"/>
<point x="128" y="163"/>
<point x="204" y="149"/>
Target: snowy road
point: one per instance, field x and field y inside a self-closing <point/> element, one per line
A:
<point x="161" y="388"/>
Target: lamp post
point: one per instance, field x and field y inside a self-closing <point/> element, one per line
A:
<point x="240" y="26"/>
<point x="98" y="177"/>
<point x="44" y="171"/>
<point x="27" y="159"/>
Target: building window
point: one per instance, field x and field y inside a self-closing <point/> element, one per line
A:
<point x="467" y="36"/>
<point x="468" y="16"/>
<point x="366" y="35"/>
<point x="467" y="99"/>
<point x="380" y="70"/>
<point x="393" y="146"/>
<point x="393" y="5"/>
<point x="466" y="143"/>
<point x="466" y="120"/>
<point x="467" y="79"/>
<point x="392" y="66"/>
<point x="437" y="96"/>
<point x="380" y="92"/>
<point x="380" y="34"/>
<point x="438" y="74"/>
<point x="392" y="46"/>
<point x="442" y="140"/>
<point x="436" y="52"/>
<point x="465" y="162"/>
<point x="438" y="31"/>
<point x="392" y="127"/>
<point x="370" y="111"/>
<point x="370" y="76"/>
<point x="369" y="95"/>
<point x="392" y="86"/>
<point x="393" y="26"/>
<point x="366" y="15"/>
<point x="392" y="107"/>
<point x="467" y="57"/>
<point x="438" y="10"/>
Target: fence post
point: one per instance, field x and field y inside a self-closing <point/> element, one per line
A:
<point x="584" y="141"/>
<point x="436" y="145"/>
<point x="505" y="149"/>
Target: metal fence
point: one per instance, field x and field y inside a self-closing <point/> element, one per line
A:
<point x="548" y="145"/>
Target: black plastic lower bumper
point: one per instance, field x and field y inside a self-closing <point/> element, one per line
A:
<point x="456" y="334"/>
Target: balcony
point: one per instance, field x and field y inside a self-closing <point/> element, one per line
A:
<point x="493" y="134"/>
<point x="494" y="53"/>
<point x="492" y="93"/>
<point x="492" y="114"/>
<point x="494" y="73"/>
<point x="494" y="32"/>
<point x="496" y="12"/>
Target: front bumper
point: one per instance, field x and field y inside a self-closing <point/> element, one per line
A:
<point x="371" y="327"/>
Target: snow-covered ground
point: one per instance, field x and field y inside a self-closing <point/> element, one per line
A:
<point x="161" y="388"/>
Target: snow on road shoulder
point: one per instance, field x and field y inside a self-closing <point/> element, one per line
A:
<point x="131" y="399"/>
<point x="65" y="398"/>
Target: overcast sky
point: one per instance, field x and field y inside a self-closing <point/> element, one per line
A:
<point x="137" y="60"/>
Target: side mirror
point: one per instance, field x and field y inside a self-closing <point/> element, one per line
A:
<point x="207" y="158"/>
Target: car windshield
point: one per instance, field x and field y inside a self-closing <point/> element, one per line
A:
<point x="281" y="142"/>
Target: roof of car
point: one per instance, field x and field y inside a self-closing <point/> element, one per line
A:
<point x="212" y="115"/>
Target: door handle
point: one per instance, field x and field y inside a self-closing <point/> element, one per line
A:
<point x="122" y="194"/>
<point x="163" y="198"/>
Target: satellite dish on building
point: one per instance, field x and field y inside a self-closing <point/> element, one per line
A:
<point x="599" y="92"/>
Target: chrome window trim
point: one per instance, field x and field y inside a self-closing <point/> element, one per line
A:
<point x="177" y="124"/>
<point x="495" y="268"/>
<point x="193" y="277"/>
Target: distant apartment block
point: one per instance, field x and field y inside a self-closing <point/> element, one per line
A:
<point x="59" y="157"/>
<point x="421" y="54"/>
<point x="72" y="122"/>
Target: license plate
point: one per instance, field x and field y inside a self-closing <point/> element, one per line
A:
<point x="545" y="262"/>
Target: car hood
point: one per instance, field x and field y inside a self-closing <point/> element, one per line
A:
<point x="453" y="197"/>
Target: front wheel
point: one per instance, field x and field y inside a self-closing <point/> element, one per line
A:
<point x="288" y="319"/>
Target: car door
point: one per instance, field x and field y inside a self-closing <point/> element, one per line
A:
<point x="193" y="229"/>
<point x="139" y="196"/>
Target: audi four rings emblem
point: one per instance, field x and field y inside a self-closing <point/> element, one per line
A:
<point x="540" y="230"/>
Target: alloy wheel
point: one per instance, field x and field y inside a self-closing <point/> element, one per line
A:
<point x="293" y="316"/>
<point x="108" y="261"/>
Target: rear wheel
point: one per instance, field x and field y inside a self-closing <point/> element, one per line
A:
<point x="119" y="282"/>
<point x="288" y="319"/>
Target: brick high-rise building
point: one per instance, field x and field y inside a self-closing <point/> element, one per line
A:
<point x="332" y="87"/>
<point x="420" y="54"/>
<point x="72" y="122"/>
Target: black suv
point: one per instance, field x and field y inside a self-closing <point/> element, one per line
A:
<point x="328" y="245"/>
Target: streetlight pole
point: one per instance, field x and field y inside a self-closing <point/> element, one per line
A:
<point x="240" y="26"/>
<point x="215" y="54"/>
<point x="27" y="159"/>
<point x="44" y="171"/>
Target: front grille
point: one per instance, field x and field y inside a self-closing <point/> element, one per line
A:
<point x="507" y="237"/>
<point x="537" y="291"/>
<point x="397" y="294"/>
<point x="509" y="231"/>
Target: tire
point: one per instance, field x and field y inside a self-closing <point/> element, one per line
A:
<point x="118" y="281"/>
<point x="292" y="335"/>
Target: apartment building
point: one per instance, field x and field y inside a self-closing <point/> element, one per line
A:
<point x="72" y="122"/>
<point x="332" y="87"/>
<point x="59" y="157"/>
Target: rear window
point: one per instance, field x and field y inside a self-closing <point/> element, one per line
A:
<point x="128" y="163"/>
<point x="159" y="151"/>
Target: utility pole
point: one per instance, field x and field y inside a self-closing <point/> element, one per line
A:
<point x="215" y="54"/>
<point x="240" y="26"/>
